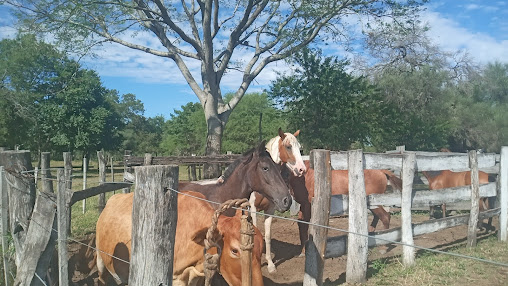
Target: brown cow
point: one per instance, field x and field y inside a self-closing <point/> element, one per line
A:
<point x="113" y="236"/>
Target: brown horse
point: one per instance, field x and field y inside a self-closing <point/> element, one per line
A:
<point x="255" y="171"/>
<point x="448" y="179"/>
<point x="376" y="182"/>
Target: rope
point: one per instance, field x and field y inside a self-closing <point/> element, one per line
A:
<point x="213" y="239"/>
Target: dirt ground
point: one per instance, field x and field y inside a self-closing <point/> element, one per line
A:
<point x="286" y="250"/>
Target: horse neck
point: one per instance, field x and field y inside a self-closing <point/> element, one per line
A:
<point x="235" y="187"/>
<point x="273" y="148"/>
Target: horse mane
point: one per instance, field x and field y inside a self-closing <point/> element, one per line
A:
<point x="232" y="167"/>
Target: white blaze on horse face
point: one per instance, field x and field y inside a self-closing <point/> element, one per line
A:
<point x="287" y="151"/>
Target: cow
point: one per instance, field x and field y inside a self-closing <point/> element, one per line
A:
<point x="113" y="237"/>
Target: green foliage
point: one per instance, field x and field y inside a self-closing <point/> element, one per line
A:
<point x="332" y="108"/>
<point x="242" y="131"/>
<point x="185" y="132"/>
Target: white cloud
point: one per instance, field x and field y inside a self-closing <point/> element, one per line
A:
<point x="450" y="36"/>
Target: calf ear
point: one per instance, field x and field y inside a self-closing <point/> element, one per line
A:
<point x="199" y="236"/>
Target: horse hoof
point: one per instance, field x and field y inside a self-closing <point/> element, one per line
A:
<point x="271" y="269"/>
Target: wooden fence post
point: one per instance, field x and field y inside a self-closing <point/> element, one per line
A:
<point x="356" y="270"/>
<point x="63" y="204"/>
<point x="126" y="168"/>
<point x="102" y="178"/>
<point x="246" y="239"/>
<point x="46" y="183"/>
<point x="154" y="217"/>
<point x="148" y="159"/>
<point x="316" y="245"/>
<point x="408" y="171"/>
<point x="21" y="192"/>
<point x="112" y="169"/>
<point x="67" y="156"/>
<point x="4" y="205"/>
<point x="503" y="194"/>
<point x="85" y="169"/>
<point x="475" y="197"/>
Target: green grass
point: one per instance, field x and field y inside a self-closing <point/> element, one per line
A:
<point x="441" y="269"/>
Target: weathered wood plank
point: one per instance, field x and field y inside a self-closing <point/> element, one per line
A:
<point x="21" y="192"/>
<point x="356" y="268"/>
<point x="102" y="179"/>
<point x="178" y="160"/>
<point x="64" y="208"/>
<point x="93" y="191"/>
<point x="421" y="199"/>
<point x="46" y="182"/>
<point x="39" y="244"/>
<point x="316" y="245"/>
<point x="503" y="195"/>
<point x="154" y="217"/>
<point x="424" y="162"/>
<point x="4" y="207"/>
<point x="475" y="197"/>
<point x="408" y="171"/>
<point x="337" y="246"/>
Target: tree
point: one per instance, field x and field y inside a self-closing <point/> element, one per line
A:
<point x="242" y="130"/>
<point x="243" y="36"/>
<point x="61" y="107"/>
<point x="332" y="108"/>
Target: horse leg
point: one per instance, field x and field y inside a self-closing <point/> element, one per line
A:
<point x="303" y="228"/>
<point x="252" y="201"/>
<point x="268" y="236"/>
<point x="379" y="214"/>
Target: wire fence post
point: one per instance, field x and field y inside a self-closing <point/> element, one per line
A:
<point x="316" y="245"/>
<point x="475" y="199"/>
<point x="46" y="183"/>
<point x="4" y="205"/>
<point x="63" y="210"/>
<point x="356" y="269"/>
<point x="67" y="156"/>
<point x="503" y="194"/>
<point x="408" y="171"/>
<point x="85" y="169"/>
<point x="102" y="178"/>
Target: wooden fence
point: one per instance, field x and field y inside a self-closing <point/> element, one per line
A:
<point x="356" y="243"/>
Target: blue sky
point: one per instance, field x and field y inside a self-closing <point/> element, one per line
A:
<point x="478" y="27"/>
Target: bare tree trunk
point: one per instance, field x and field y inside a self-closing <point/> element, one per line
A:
<point x="215" y="123"/>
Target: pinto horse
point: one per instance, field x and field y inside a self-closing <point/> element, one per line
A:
<point x="255" y="171"/>
<point x="113" y="237"/>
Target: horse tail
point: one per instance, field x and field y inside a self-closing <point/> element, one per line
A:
<point x="395" y="181"/>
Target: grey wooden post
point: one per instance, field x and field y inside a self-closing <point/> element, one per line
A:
<point x="63" y="204"/>
<point x="85" y="169"/>
<point x="126" y="168"/>
<point x="475" y="197"/>
<point x="67" y="156"/>
<point x="503" y="194"/>
<point x="102" y="178"/>
<point x="21" y="192"/>
<point x="316" y="245"/>
<point x="112" y="169"/>
<point x="408" y="171"/>
<point x="154" y="217"/>
<point x="47" y="184"/>
<point x="4" y="205"/>
<point x="356" y="269"/>
<point x="147" y="160"/>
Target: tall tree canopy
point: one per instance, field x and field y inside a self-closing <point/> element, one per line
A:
<point x="222" y="36"/>
<point x="332" y="108"/>
<point x="51" y="103"/>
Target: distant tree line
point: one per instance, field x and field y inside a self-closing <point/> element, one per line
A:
<point x="49" y="102"/>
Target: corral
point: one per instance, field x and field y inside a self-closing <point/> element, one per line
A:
<point x="453" y="161"/>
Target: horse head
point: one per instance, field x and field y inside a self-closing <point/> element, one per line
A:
<point x="265" y="178"/>
<point x="288" y="151"/>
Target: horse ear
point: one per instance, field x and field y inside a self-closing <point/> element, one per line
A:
<point x="281" y="134"/>
<point x="297" y="133"/>
<point x="262" y="147"/>
<point x="199" y="236"/>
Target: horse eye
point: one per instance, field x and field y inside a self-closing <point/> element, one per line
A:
<point x="235" y="251"/>
<point x="265" y="168"/>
